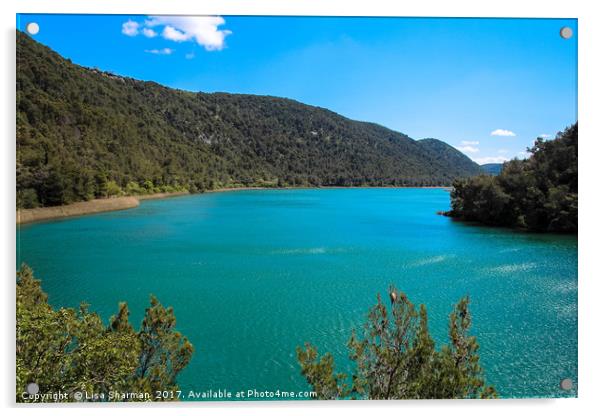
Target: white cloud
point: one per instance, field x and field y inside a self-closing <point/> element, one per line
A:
<point x="544" y="136"/>
<point x="189" y="55"/>
<point x="149" y="33"/>
<point x="130" y="28"/>
<point x="203" y="30"/>
<point x="469" y="143"/>
<point x="468" y="149"/>
<point x="171" y="33"/>
<point x="502" y="132"/>
<point x="490" y="159"/>
<point x="164" y="51"/>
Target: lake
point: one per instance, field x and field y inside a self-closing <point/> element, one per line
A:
<point x="253" y="274"/>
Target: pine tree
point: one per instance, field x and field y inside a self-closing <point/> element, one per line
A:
<point x="73" y="351"/>
<point x="395" y="358"/>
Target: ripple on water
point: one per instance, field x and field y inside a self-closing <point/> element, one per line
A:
<point x="430" y="260"/>
<point x="248" y="284"/>
<point x="514" y="268"/>
<point x="310" y="250"/>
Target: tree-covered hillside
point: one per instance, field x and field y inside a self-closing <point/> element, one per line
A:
<point x="538" y="194"/>
<point x="492" y="168"/>
<point x="83" y="133"/>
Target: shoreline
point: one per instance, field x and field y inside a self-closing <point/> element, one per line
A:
<point x="161" y="195"/>
<point x="96" y="206"/>
<point x="264" y="188"/>
<point x="26" y="216"/>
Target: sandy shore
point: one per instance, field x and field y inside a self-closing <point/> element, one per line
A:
<point x="95" y="206"/>
<point x="78" y="208"/>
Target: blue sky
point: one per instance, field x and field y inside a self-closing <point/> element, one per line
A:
<point x="486" y="86"/>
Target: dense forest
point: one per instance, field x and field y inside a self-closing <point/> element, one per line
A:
<point x="395" y="358"/>
<point x="74" y="352"/>
<point x="84" y="133"/>
<point x="537" y="194"/>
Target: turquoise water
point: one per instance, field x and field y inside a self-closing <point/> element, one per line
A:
<point x="253" y="274"/>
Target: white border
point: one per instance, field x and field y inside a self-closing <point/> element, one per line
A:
<point x="590" y="276"/>
<point x="468" y="8"/>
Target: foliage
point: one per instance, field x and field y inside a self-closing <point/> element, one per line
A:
<point x="113" y="189"/>
<point x="396" y="358"/>
<point x="73" y="351"/>
<point x="83" y="133"/>
<point x="538" y="194"/>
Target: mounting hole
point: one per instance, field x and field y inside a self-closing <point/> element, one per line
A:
<point x="566" y="32"/>
<point x="566" y="384"/>
<point x="32" y="28"/>
<point x="33" y="388"/>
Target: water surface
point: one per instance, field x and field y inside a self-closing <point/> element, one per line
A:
<point x="253" y="274"/>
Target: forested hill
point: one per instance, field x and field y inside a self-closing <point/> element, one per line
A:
<point x="83" y="133"/>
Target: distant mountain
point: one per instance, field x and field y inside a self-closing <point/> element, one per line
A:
<point x="458" y="163"/>
<point x="84" y="133"/>
<point x="492" y="168"/>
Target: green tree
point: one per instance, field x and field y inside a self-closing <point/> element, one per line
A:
<point x="73" y="351"/>
<point x="320" y="373"/>
<point x="113" y="189"/>
<point x="133" y="188"/>
<point x="27" y="198"/>
<point x="148" y="186"/>
<point x="460" y="370"/>
<point x="100" y="180"/>
<point x="164" y="353"/>
<point x="536" y="194"/>
<point x="481" y="198"/>
<point x="52" y="187"/>
<point x="396" y="358"/>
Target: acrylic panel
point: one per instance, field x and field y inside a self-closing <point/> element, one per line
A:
<point x="295" y="208"/>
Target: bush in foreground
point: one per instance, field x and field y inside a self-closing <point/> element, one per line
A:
<point x="73" y="351"/>
<point x="396" y="358"/>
